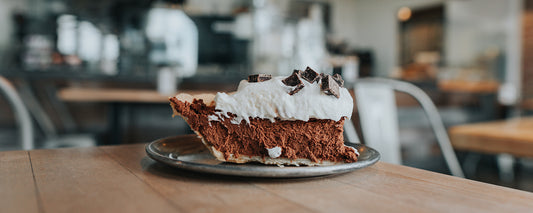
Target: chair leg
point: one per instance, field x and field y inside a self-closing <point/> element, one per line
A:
<point x="470" y="164"/>
<point x="505" y="166"/>
<point x="351" y="133"/>
<point x="22" y="116"/>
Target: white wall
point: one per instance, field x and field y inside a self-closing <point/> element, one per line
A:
<point x="471" y="27"/>
<point x="373" y="24"/>
<point x="343" y="19"/>
<point x="475" y="25"/>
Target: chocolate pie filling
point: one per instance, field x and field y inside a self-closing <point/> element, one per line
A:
<point x="316" y="139"/>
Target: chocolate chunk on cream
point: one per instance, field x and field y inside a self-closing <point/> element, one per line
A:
<point x="294" y="81"/>
<point x="310" y="75"/>
<point x="322" y="76"/>
<point x="259" y="77"/>
<point x="296" y="89"/>
<point x="330" y="86"/>
<point x="338" y="79"/>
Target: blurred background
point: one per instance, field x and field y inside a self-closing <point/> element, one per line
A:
<point x="99" y="72"/>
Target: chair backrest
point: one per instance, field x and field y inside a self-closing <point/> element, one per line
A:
<point x="22" y="115"/>
<point x="379" y="122"/>
<point x="350" y="132"/>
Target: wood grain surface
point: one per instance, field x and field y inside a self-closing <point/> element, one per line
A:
<point x="17" y="189"/>
<point x="123" y="179"/>
<point x="463" y="86"/>
<point x="118" y="95"/>
<point x="514" y="136"/>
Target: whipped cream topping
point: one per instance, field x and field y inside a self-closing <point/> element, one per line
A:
<point x="270" y="99"/>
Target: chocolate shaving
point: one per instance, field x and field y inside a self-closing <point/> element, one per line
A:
<point x="338" y="79"/>
<point x="296" y="89"/>
<point x="322" y="75"/>
<point x="259" y="77"/>
<point x="330" y="86"/>
<point x="310" y="75"/>
<point x="297" y="72"/>
<point x="294" y="81"/>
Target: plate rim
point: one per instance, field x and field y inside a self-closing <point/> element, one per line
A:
<point x="262" y="171"/>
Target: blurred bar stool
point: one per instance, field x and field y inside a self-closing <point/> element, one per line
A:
<point x="22" y="116"/>
<point x="379" y="122"/>
<point x="31" y="108"/>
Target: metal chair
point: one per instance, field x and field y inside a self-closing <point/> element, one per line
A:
<point x="29" y="109"/>
<point x="22" y="115"/>
<point x="52" y="137"/>
<point x="379" y="122"/>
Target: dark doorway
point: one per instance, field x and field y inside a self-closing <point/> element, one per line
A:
<point x="421" y="32"/>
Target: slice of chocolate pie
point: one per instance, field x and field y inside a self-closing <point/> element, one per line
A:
<point x="295" y="120"/>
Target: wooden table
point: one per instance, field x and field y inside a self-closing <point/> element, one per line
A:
<point x="123" y="179"/>
<point x="110" y="95"/>
<point x="463" y="86"/>
<point x="117" y="99"/>
<point x="513" y="137"/>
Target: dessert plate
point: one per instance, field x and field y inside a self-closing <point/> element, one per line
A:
<point x="188" y="152"/>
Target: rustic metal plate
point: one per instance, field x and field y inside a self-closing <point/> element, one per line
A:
<point x="188" y="152"/>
